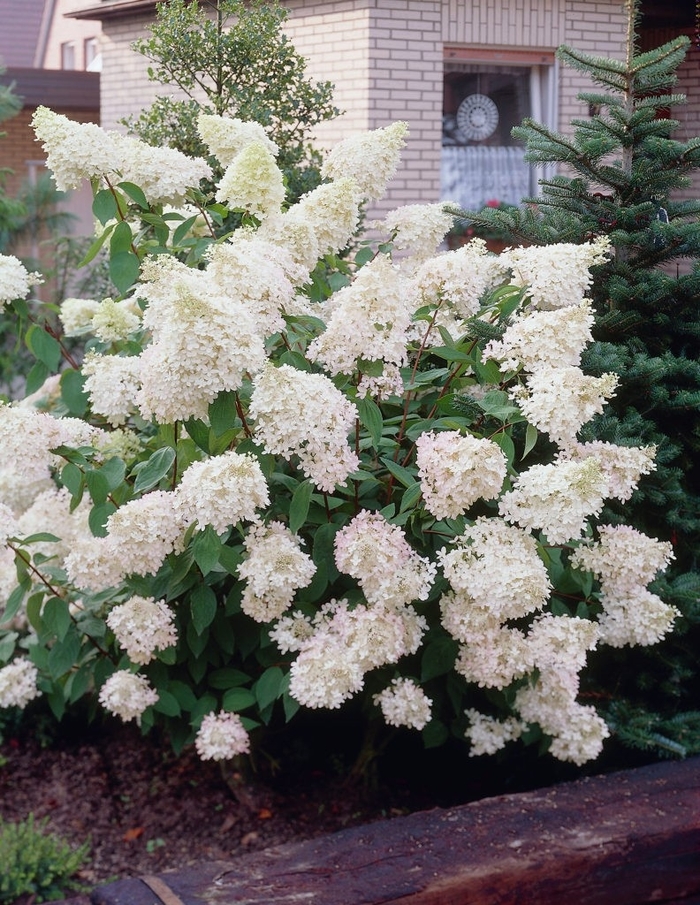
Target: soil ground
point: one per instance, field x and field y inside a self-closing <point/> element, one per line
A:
<point x="145" y="811"/>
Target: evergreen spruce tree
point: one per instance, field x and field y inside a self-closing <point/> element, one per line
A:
<point x="623" y="167"/>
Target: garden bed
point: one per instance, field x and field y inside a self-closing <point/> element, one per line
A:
<point x="624" y="838"/>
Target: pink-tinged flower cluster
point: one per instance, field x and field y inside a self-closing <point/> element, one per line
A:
<point x="626" y="561"/>
<point x="221" y="736"/>
<point x="557" y="499"/>
<point x="404" y="703"/>
<point x="455" y="471"/>
<point x="143" y="626"/>
<point x="274" y="569"/>
<point x="377" y="555"/>
<point x="221" y="491"/>
<point x="127" y="695"/>
<point x="303" y="414"/>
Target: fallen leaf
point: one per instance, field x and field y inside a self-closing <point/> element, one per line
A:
<point x="132" y="834"/>
<point x="264" y="814"/>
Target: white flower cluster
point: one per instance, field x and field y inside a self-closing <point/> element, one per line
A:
<point x="377" y="555"/>
<point x="127" y="695"/>
<point x="488" y="735"/>
<point x="455" y="471"/>
<point x="370" y="159"/>
<point x="275" y="567"/>
<point x="143" y="626"/>
<point x="559" y="275"/>
<point x="18" y="683"/>
<point x="404" y="703"/>
<point x="15" y="280"/>
<point x="226" y="136"/>
<point x="418" y="228"/>
<point x="221" y="736"/>
<point x="297" y="413"/>
<point x="626" y="561"/>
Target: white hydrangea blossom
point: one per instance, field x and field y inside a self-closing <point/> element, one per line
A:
<point x="418" y="228"/>
<point x="556" y="499"/>
<point x="461" y="277"/>
<point x="297" y="413"/>
<point x="495" y="659"/>
<point x="9" y="526"/>
<point x="76" y="315"/>
<point x="539" y="339"/>
<point x="15" y="279"/>
<point x="112" y="382"/>
<point x="368" y="319"/>
<point x="143" y="626"/>
<point x="75" y="151"/>
<point x="203" y="342"/>
<point x="326" y="673"/>
<point x="559" y="401"/>
<point x="455" y="471"/>
<point x="163" y="174"/>
<point x="292" y="632"/>
<point x="253" y="182"/>
<point x="18" y="683"/>
<point x="622" y="466"/>
<point x="274" y="569"/>
<point x="115" y="321"/>
<point x="331" y="211"/>
<point x="127" y="695"/>
<point x="221" y="736"/>
<point x="221" y="491"/>
<point x="496" y="566"/>
<point x="488" y="735"/>
<point x="226" y="136"/>
<point x="369" y="158"/>
<point x="377" y="555"/>
<point x="404" y="703"/>
<point x="294" y="233"/>
<point x="641" y="619"/>
<point x="556" y="275"/>
<point x="559" y="643"/>
<point x="623" y="558"/>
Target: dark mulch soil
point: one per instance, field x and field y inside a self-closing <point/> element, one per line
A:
<point x="145" y="810"/>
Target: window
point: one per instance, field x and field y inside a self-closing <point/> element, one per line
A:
<point x="90" y="51"/>
<point x="483" y="99"/>
<point x="68" y="55"/>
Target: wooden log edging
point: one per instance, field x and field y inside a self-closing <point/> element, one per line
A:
<point x="622" y="839"/>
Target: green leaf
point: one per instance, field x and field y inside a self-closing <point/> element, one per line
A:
<point x="57" y="618"/>
<point x="36" y="377"/>
<point x="181" y="232"/>
<point x="410" y="497"/>
<point x="435" y="734"/>
<point x="167" y="703"/>
<point x="506" y="443"/>
<point x="72" y="478"/>
<point x="95" y="248"/>
<point x="64" y="653"/>
<point x="135" y="193"/>
<point x="121" y="239"/>
<point x="113" y="472"/>
<point x="371" y="418"/>
<point x="14" y="602"/>
<point x="104" y="206"/>
<point x="237" y="699"/>
<point x="202" y="607"/>
<point x="97" y="520"/>
<point x="222" y="412"/>
<point x="97" y="485"/>
<point x="7" y="646"/>
<point x="531" y="436"/>
<point x="230" y="559"/>
<point x="227" y="678"/>
<point x="155" y="469"/>
<point x="364" y="255"/>
<point x="299" y="508"/>
<point x="206" y="547"/>
<point x="43" y="346"/>
<point x="73" y="392"/>
<point x="186" y="698"/>
<point x="124" y="269"/>
<point x="498" y="404"/>
<point x="199" y="432"/>
<point x="402" y="475"/>
<point x="438" y="658"/>
<point x="268" y="687"/>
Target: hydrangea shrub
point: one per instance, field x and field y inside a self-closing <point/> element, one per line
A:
<point x="283" y="475"/>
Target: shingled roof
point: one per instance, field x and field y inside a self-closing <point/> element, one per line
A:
<point x="23" y="28"/>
